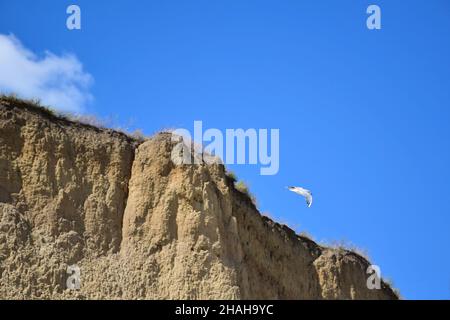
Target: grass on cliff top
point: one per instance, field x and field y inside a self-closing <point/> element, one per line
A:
<point x="344" y="245"/>
<point x="241" y="186"/>
<point x="83" y="119"/>
<point x="232" y="176"/>
<point x="391" y="284"/>
<point x="29" y="103"/>
<point x="339" y="245"/>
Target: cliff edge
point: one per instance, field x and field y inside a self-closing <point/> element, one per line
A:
<point x="139" y="227"/>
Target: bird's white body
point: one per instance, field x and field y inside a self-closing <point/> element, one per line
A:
<point x="304" y="193"/>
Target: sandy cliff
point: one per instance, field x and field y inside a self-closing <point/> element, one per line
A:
<point x="140" y="227"/>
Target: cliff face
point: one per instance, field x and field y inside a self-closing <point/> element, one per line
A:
<point x="140" y="227"/>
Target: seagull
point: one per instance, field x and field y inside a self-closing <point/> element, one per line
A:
<point x="303" y="192"/>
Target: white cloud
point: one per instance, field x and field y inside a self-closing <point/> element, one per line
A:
<point x="58" y="81"/>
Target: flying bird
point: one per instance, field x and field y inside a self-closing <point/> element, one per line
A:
<point x="303" y="192"/>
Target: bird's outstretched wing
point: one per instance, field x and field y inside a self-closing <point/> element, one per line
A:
<point x="304" y="193"/>
<point x="309" y="199"/>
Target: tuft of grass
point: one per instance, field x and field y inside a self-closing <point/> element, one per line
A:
<point x="267" y="215"/>
<point x="231" y="175"/>
<point x="307" y="235"/>
<point x="168" y="130"/>
<point x="13" y="98"/>
<point x="242" y="187"/>
<point x="105" y="123"/>
<point x="344" y="245"/>
<point x="84" y="119"/>
<point x="391" y="284"/>
<point x="138" y="134"/>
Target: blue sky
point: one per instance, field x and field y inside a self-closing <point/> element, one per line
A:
<point x="363" y="115"/>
